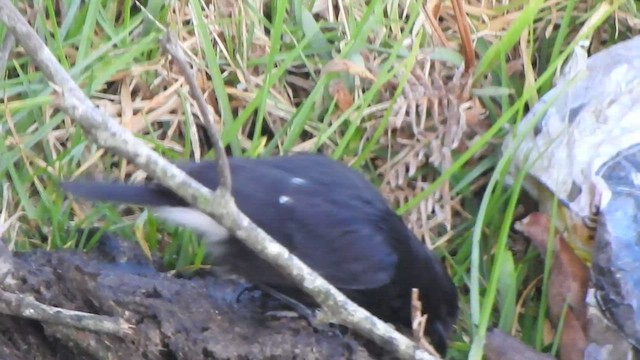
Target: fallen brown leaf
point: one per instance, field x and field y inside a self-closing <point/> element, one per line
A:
<point x="341" y="94"/>
<point x="568" y="283"/>
<point x="341" y="65"/>
<point x="573" y="342"/>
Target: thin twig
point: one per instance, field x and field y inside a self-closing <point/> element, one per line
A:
<point x="419" y="323"/>
<point x="24" y="306"/>
<point x="170" y="45"/>
<point x="465" y="35"/>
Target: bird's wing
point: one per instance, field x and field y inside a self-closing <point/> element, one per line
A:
<point x="339" y="235"/>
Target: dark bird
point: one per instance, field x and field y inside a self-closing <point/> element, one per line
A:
<point x="325" y="213"/>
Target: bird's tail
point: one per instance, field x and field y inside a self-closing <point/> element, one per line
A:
<point x="142" y="195"/>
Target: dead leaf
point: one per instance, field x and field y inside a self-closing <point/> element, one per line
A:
<point x="476" y="116"/>
<point x="341" y="94"/>
<point x="568" y="283"/>
<point x="341" y="65"/>
<point x="574" y="340"/>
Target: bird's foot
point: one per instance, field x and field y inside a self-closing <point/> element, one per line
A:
<point x="314" y="317"/>
<point x="246" y="289"/>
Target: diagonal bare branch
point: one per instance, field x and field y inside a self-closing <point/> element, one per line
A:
<point x="170" y="45"/>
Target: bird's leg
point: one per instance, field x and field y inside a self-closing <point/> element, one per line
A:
<point x="297" y="306"/>
<point x="246" y="289"/>
<point x="300" y="309"/>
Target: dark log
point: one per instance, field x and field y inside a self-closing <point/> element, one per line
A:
<point x="174" y="318"/>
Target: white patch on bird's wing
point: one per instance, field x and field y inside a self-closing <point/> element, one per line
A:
<point x="283" y="199"/>
<point x="298" y="181"/>
<point x="194" y="220"/>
